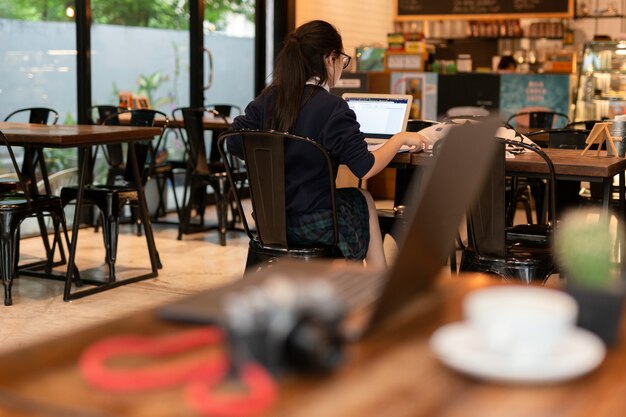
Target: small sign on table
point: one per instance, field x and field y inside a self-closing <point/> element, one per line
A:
<point x="598" y="135"/>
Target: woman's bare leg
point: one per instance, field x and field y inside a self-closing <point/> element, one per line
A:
<point x="375" y="257"/>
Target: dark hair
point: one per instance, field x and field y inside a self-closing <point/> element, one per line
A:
<point x="300" y="59"/>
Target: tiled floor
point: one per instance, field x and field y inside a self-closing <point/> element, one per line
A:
<point x="196" y="263"/>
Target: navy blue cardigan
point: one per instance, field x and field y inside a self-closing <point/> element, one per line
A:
<point x="326" y="119"/>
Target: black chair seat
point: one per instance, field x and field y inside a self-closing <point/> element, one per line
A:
<point x="101" y="194"/>
<point x="519" y="264"/>
<point x="264" y="155"/>
<point x="10" y="201"/>
<point x="537" y="234"/>
<point x="294" y="251"/>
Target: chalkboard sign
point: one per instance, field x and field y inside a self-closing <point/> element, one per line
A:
<point x="431" y="9"/>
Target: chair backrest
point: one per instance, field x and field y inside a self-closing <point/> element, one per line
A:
<point x="37" y="115"/>
<point x="583" y="124"/>
<point x="264" y="155"/>
<point x="226" y="110"/>
<point x="196" y="147"/>
<point x="143" y="149"/>
<point x="539" y="119"/>
<point x="103" y="111"/>
<point x="415" y="125"/>
<point x="563" y="138"/>
<point x="486" y="220"/>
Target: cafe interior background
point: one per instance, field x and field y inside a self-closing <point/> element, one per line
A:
<point x="143" y="47"/>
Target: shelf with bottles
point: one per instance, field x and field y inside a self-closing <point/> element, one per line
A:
<point x="601" y="88"/>
<point x="603" y="16"/>
<point x="484" y="29"/>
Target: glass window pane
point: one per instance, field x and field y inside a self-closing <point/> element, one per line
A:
<point x="229" y="36"/>
<point x="38" y="66"/>
<point x="141" y="47"/>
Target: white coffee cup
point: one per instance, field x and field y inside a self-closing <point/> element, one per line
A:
<point x="521" y="322"/>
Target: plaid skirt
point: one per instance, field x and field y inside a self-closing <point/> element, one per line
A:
<point x="352" y="223"/>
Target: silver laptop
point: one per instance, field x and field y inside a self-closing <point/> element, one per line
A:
<point x="434" y="211"/>
<point x="380" y="115"/>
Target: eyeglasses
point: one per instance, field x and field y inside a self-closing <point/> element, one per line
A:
<point x="346" y="59"/>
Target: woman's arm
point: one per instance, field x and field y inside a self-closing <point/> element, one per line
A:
<point x="384" y="154"/>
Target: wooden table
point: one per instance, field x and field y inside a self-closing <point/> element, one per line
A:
<point x="83" y="137"/>
<point x="568" y="165"/>
<point x="392" y="373"/>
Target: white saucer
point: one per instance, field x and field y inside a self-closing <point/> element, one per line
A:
<point x="457" y="346"/>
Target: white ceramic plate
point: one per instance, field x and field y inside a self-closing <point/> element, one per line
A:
<point x="457" y="345"/>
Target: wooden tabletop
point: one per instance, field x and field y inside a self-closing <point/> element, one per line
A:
<point x="567" y="162"/>
<point x="58" y="136"/>
<point x="392" y="373"/>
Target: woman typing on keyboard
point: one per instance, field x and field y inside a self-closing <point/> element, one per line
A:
<point x="299" y="102"/>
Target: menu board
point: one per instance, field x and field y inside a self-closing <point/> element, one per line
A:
<point x="484" y="8"/>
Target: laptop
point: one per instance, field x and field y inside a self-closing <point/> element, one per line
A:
<point x="380" y="115"/>
<point x="434" y="211"/>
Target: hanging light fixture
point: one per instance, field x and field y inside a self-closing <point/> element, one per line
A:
<point x="70" y="12"/>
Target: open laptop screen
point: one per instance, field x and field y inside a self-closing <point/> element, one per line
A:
<point x="380" y="115"/>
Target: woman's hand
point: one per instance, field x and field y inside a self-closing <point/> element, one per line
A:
<point x="412" y="139"/>
<point x="384" y="154"/>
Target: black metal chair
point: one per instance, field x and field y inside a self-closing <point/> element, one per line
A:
<point x="110" y="198"/>
<point x="37" y="115"/>
<point x="103" y="111"/>
<point x="200" y="173"/>
<point x="567" y="194"/>
<point x="388" y="217"/>
<point x="583" y="124"/>
<point x="15" y="207"/>
<point x="158" y="167"/>
<point x="491" y="247"/>
<point x="537" y="120"/>
<point x="564" y="138"/>
<point x="264" y="154"/>
<point x="32" y="157"/>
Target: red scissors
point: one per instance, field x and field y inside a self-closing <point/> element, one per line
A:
<point x="198" y="373"/>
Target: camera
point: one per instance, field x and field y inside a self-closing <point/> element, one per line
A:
<point x="286" y="324"/>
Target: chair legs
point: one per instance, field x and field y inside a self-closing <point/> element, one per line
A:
<point x="161" y="181"/>
<point x="110" y="231"/>
<point x="9" y="248"/>
<point x="222" y="204"/>
<point x="10" y="236"/>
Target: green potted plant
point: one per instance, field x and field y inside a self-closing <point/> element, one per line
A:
<point x="583" y="246"/>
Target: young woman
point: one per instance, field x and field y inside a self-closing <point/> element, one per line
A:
<point x="298" y="101"/>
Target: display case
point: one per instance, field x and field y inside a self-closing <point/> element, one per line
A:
<point x="602" y="81"/>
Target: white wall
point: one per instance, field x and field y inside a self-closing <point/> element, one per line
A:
<point x="360" y="22"/>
